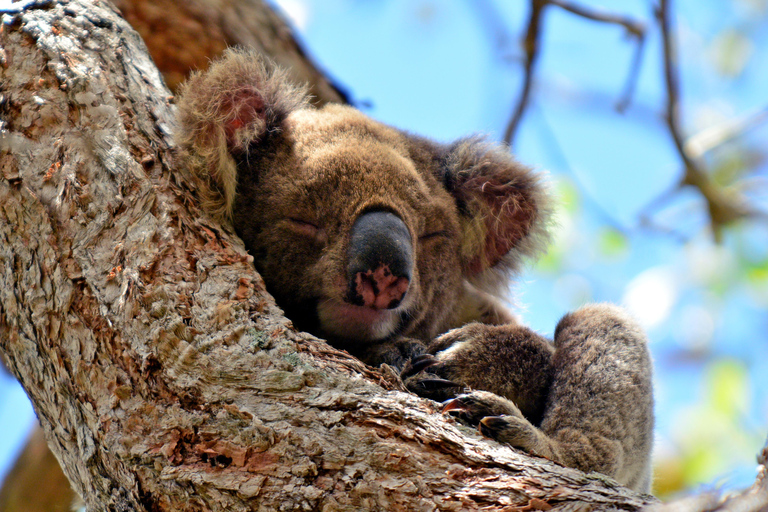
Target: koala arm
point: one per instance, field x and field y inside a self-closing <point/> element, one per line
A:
<point x="508" y="360"/>
<point x="584" y="401"/>
<point x="599" y="415"/>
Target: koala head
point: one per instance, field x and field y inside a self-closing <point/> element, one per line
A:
<point x="362" y="232"/>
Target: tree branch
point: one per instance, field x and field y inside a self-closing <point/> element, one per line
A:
<point x="532" y="44"/>
<point x="183" y="35"/>
<point x="699" y="144"/>
<point x="161" y="371"/>
<point x="724" y="205"/>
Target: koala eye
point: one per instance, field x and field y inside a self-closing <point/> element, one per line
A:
<point x="444" y="233"/>
<point x="303" y="227"/>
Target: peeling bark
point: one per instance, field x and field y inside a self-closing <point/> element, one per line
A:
<point x="163" y="374"/>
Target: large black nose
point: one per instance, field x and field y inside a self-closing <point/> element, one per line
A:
<point x="380" y="260"/>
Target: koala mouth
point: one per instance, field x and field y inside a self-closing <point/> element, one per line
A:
<point x="361" y="323"/>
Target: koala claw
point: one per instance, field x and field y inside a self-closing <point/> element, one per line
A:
<point x="467" y="408"/>
<point x="418" y="364"/>
<point x="492" y="426"/>
<point x="437" y="384"/>
<point x="513" y="431"/>
<point x="477" y="405"/>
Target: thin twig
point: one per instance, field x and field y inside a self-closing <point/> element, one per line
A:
<point x="634" y="72"/>
<point x="494" y="26"/>
<point x="693" y="171"/>
<point x="634" y="28"/>
<point x="531" y="47"/>
<point x="555" y="150"/>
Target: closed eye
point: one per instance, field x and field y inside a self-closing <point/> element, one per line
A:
<point x="302" y="227"/>
<point x="436" y="234"/>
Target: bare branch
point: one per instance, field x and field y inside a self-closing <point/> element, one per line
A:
<point x="698" y="144"/>
<point x="634" y="28"/>
<point x="531" y="47"/>
<point x="725" y="206"/>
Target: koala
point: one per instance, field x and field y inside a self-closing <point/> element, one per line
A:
<point x="396" y="248"/>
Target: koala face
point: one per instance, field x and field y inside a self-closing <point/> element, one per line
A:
<point x="350" y="227"/>
<point x="362" y="232"/>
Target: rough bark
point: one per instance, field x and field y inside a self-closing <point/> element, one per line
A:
<point x="162" y="373"/>
<point x="180" y="36"/>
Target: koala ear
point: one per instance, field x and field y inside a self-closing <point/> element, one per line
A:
<point x="237" y="102"/>
<point x="504" y="207"/>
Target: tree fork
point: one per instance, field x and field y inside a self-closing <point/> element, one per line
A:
<point x="163" y="374"/>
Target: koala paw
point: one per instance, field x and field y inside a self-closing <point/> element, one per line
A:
<point x="498" y="419"/>
<point x="472" y="407"/>
<point x="512" y="430"/>
<point x="442" y="376"/>
<point x="427" y="376"/>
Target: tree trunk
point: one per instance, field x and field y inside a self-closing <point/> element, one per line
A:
<point x="199" y="33"/>
<point x="163" y="374"/>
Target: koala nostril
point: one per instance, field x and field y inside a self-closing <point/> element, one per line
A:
<point x="379" y="288"/>
<point x="365" y="288"/>
<point x="380" y="260"/>
<point x="395" y="293"/>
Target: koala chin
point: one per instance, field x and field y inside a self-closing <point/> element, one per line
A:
<point x="395" y="247"/>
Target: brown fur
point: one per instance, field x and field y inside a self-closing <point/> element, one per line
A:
<point x="293" y="180"/>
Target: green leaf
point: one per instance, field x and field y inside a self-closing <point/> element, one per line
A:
<point x="728" y="385"/>
<point x="567" y="196"/>
<point x="613" y="243"/>
<point x="731" y="51"/>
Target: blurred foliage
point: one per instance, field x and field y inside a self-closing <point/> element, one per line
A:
<point x="613" y="243"/>
<point x="731" y="50"/>
<point x="711" y="432"/>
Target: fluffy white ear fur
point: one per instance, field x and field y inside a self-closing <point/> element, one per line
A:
<point x="225" y="110"/>
<point x="505" y="210"/>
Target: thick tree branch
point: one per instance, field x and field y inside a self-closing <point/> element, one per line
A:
<point x="184" y="35"/>
<point x="162" y="373"/>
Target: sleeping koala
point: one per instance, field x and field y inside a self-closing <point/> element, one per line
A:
<point x="394" y="247"/>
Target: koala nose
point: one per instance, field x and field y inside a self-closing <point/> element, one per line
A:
<point x="379" y="260"/>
